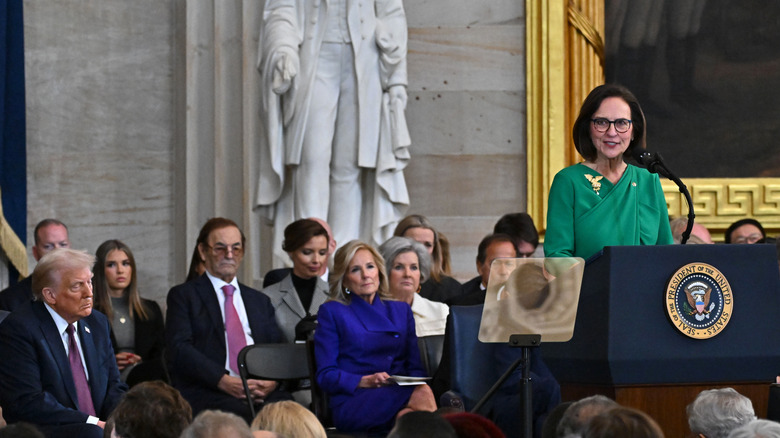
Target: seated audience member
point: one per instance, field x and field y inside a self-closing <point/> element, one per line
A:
<point x="151" y="410"/>
<point x="521" y="227"/>
<point x="422" y="425"/>
<point x="439" y="286"/>
<point x="362" y="338"/>
<point x="197" y="268"/>
<point x="300" y="294"/>
<point x="745" y="231"/>
<point x="408" y="264"/>
<point x="576" y="418"/>
<point x="699" y="233"/>
<point x="757" y="429"/>
<point x="137" y="332"/>
<point x="716" y="412"/>
<point x="59" y="331"/>
<point x="288" y="419"/>
<point x="49" y="234"/>
<point x="20" y="430"/>
<point x="492" y="247"/>
<point x="468" y="425"/>
<point x="550" y="427"/>
<point x="276" y="275"/>
<point x="622" y="422"/>
<point x="210" y="319"/>
<point x="217" y="424"/>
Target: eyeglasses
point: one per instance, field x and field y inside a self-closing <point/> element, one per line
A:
<point x="222" y="250"/>
<point x="602" y="125"/>
<point x="752" y="238"/>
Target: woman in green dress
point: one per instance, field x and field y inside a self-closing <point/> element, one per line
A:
<point x="605" y="201"/>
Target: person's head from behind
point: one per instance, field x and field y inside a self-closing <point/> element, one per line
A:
<point x="585" y="130"/>
<point x="699" y="233"/>
<point x="407" y="264"/>
<point x="521" y="227"/>
<point x="217" y="424"/>
<point x="151" y="409"/>
<point x="49" y="235"/>
<point x="492" y="247"/>
<point x="63" y="280"/>
<point x="468" y="425"/>
<point x="419" y="228"/>
<point x="716" y="412"/>
<point x="221" y="246"/>
<point x="622" y="422"/>
<point x="577" y="416"/>
<point x="20" y="430"/>
<point x="288" y="419"/>
<point x="307" y="243"/>
<point x="358" y="269"/>
<point x="421" y="424"/>
<point x="757" y="429"/>
<point x="745" y="231"/>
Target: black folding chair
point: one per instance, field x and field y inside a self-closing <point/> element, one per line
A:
<point x="272" y="362"/>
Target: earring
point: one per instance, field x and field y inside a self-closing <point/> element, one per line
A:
<point x="347" y="291"/>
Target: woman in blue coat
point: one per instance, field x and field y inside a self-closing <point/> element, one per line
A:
<point x="363" y="339"/>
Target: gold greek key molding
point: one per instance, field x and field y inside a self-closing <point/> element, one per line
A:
<point x="717" y="202"/>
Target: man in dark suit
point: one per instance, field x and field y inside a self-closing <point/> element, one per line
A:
<point x="492" y="247"/>
<point x="57" y="369"/>
<point x="210" y="319"/>
<point x="49" y="234"/>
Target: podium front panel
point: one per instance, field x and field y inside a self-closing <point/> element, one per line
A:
<point x="623" y="335"/>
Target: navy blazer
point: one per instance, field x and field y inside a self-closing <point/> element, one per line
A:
<point x="195" y="332"/>
<point x="36" y="384"/>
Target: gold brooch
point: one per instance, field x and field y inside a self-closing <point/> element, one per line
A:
<point x="594" y="182"/>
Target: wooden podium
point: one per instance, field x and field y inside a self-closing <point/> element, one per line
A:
<point x="625" y="346"/>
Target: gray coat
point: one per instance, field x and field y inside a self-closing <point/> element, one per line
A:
<point x="288" y="307"/>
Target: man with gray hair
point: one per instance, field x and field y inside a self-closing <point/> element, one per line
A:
<point x="217" y="424"/>
<point x="576" y="418"/>
<point x="716" y="412"/>
<point x="58" y="369"/>
<point x="757" y="429"/>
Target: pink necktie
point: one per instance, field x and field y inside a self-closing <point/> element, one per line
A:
<point x="235" y="332"/>
<point x="79" y="376"/>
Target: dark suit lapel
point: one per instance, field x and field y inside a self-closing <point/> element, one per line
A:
<point x="290" y="297"/>
<point x="373" y="317"/>
<point x="88" y="347"/>
<point x="54" y="341"/>
<point x="251" y="304"/>
<point x="208" y="296"/>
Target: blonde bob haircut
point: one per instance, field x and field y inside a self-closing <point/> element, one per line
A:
<point x="341" y="261"/>
<point x="288" y="419"/>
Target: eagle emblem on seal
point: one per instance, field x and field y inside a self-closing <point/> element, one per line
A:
<point x="699" y="300"/>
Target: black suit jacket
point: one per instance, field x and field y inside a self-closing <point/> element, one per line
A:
<point x="195" y="335"/>
<point x="36" y="384"/>
<point x="471" y="294"/>
<point x="13" y="297"/>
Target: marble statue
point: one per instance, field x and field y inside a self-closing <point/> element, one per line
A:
<point x="333" y="75"/>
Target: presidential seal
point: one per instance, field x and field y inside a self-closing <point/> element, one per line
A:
<point x="699" y="300"/>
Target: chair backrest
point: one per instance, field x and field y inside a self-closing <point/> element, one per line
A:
<point x="430" y="352"/>
<point x="274" y="361"/>
<point x="471" y="361"/>
<point x="319" y="400"/>
<point x="271" y="362"/>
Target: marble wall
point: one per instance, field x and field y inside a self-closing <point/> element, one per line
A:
<point x="106" y="117"/>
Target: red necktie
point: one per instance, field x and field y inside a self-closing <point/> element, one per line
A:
<point x="79" y="376"/>
<point x="235" y="332"/>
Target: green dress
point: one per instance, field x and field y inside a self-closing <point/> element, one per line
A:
<point x="586" y="212"/>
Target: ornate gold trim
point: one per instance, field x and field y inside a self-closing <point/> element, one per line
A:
<point x="11" y="244"/>
<point x="565" y="57"/>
